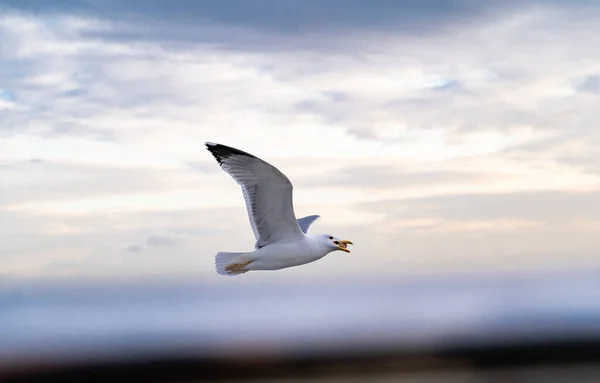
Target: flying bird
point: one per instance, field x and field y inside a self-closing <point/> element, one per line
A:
<point x="282" y="241"/>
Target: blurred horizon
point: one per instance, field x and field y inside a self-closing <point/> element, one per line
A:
<point x="123" y="321"/>
<point x="278" y="279"/>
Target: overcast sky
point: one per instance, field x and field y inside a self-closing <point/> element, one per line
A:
<point x="436" y="135"/>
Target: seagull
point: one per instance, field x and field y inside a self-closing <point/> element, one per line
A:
<point x="282" y="241"/>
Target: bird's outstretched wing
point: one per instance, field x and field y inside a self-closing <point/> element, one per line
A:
<point x="306" y="222"/>
<point x="267" y="192"/>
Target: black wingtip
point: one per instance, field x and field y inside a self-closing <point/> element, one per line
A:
<point x="222" y="152"/>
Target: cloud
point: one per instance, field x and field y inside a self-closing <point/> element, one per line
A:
<point x="512" y="231"/>
<point x="134" y="248"/>
<point x="74" y="129"/>
<point x="555" y="207"/>
<point x="42" y="181"/>
<point x="587" y="161"/>
<point x="106" y="246"/>
<point x="387" y="176"/>
<point x="160" y="240"/>
<point x="468" y="127"/>
<point x="204" y="167"/>
<point x="285" y="16"/>
<point x="590" y="84"/>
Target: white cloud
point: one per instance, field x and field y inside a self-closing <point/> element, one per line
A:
<point x="118" y="127"/>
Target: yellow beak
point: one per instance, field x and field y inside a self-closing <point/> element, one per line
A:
<point x="343" y="245"/>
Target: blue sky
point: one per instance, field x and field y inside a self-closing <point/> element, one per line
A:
<point x="439" y="136"/>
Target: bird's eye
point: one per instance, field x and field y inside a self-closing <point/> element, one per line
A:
<point x="330" y="237"/>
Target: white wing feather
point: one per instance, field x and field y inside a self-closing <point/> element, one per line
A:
<point x="267" y="193"/>
<point x="306" y="222"/>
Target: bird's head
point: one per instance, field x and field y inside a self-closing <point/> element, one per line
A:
<point x="335" y="243"/>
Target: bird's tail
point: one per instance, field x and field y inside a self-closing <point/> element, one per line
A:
<point x="231" y="263"/>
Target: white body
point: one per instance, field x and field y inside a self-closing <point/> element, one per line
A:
<point x="280" y="255"/>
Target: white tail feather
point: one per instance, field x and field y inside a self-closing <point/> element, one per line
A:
<point x="222" y="260"/>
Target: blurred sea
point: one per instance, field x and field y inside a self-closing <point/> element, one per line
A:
<point x="94" y="321"/>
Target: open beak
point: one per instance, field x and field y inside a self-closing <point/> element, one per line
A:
<point x="343" y="245"/>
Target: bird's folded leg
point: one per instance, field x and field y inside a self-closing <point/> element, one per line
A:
<point x="237" y="268"/>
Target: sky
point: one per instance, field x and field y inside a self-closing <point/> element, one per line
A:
<point x="438" y="136"/>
